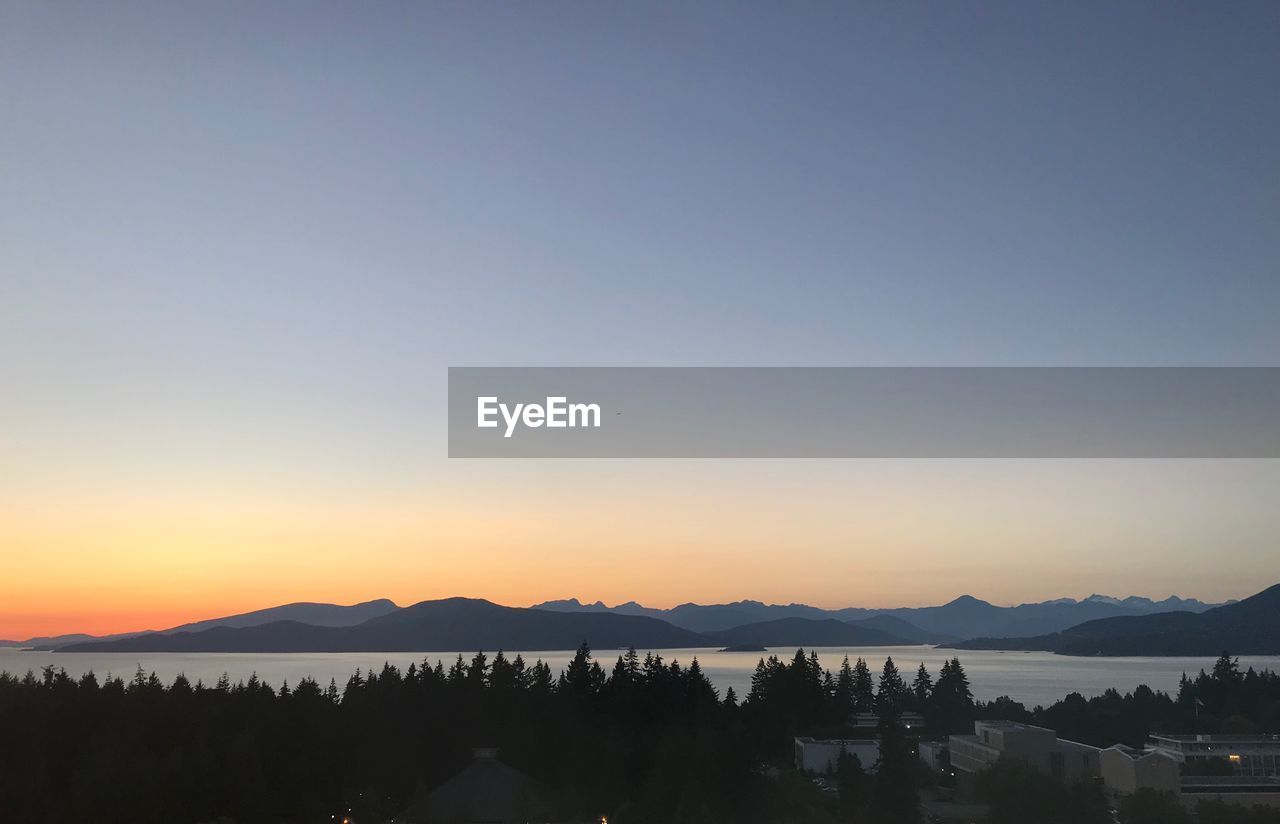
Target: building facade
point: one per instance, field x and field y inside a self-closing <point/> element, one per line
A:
<point x="821" y="755"/>
<point x="1126" y="770"/>
<point x="1038" y="747"/>
<point x="1250" y="756"/>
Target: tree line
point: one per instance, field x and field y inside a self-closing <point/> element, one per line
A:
<point x="642" y="740"/>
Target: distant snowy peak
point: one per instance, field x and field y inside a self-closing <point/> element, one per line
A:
<point x="1137" y="602"/>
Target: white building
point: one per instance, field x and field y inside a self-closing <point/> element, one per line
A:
<point x="1126" y="770"/>
<point x="820" y="756"/>
<point x="1035" y="746"/>
<point x="933" y="753"/>
<point x="1254" y="756"/>
<point x="1240" y="769"/>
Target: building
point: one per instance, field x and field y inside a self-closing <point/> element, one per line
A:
<point x="934" y="754"/>
<point x="1126" y="770"/>
<point x="1037" y="747"/>
<point x="1238" y="769"/>
<point x="1254" y="756"/>
<point x="1247" y="791"/>
<point x="912" y="721"/>
<point x="820" y="756"/>
<point x="486" y="791"/>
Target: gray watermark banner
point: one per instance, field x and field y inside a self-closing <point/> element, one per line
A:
<point x="864" y="412"/>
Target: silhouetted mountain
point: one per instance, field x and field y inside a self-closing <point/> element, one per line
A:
<point x="905" y="630"/>
<point x="48" y="642"/>
<point x="805" y="632"/>
<point x="304" y="612"/>
<point x="716" y="617"/>
<point x="429" y="626"/>
<point x="1247" y="627"/>
<point x="323" y="615"/>
<point x="571" y="605"/>
<point x="969" y="617"/>
<point x="629" y="608"/>
<point x="1171" y="604"/>
<point x="698" y="617"/>
<point x="965" y="617"/>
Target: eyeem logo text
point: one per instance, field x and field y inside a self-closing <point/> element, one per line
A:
<point x="556" y="413"/>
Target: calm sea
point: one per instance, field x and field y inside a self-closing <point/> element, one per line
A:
<point x="1029" y="677"/>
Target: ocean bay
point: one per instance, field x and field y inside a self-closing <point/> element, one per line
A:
<point x="1029" y="677"/>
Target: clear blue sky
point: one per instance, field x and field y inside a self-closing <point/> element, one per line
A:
<point x="242" y="240"/>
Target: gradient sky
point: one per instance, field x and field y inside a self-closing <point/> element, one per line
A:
<point x="240" y="243"/>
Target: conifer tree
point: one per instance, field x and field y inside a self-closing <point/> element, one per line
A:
<point x="921" y="688"/>
<point x="891" y="692"/>
<point x="863" y="695"/>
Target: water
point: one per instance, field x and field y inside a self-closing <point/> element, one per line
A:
<point x="1030" y="677"/>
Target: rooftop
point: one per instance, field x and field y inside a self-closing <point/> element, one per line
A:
<point x="1136" y="754"/>
<point x="1219" y="739"/>
<point x="1223" y="783"/>
<point x="1013" y="726"/>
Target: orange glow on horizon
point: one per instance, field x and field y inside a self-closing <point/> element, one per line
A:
<point x="829" y="534"/>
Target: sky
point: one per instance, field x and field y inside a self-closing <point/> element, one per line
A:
<point x="240" y="243"/>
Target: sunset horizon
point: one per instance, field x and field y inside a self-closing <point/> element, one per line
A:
<point x="899" y="381"/>
<point x="67" y="622"/>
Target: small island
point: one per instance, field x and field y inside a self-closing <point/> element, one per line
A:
<point x="744" y="648"/>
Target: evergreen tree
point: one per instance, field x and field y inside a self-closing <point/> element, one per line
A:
<point x="477" y="672"/>
<point x="759" y="683"/>
<point x="458" y="672"/>
<point x="842" y="696"/>
<point x="921" y="689"/>
<point x="520" y="674"/>
<point x="891" y="692"/>
<point x="578" y="677"/>
<point x="851" y="783"/>
<point x="540" y="682"/>
<point x="502" y="675"/>
<point x="894" y="797"/>
<point x="864" y="699"/>
<point x="952" y="700"/>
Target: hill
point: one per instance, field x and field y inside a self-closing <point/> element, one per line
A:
<point x="964" y="617"/>
<point x="805" y="632"/>
<point x="907" y="631"/>
<point x="430" y="626"/>
<point x="305" y="612"/>
<point x="701" y="625"/>
<point x="1247" y="627"/>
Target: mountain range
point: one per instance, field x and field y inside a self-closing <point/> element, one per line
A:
<point x="463" y="624"/>
<point x="965" y="617"/>
<point x="1248" y="627"/>
<point x="305" y="612"/>
<point x="430" y="626"/>
<point x="804" y="632"/>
